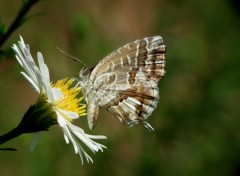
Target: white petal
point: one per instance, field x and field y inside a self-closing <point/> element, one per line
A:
<point x="66" y="139"/>
<point x="69" y="114"/>
<point x="19" y="60"/>
<point x="61" y="120"/>
<point x="94" y="146"/>
<point x="57" y="93"/>
<point x="71" y="138"/>
<point x="70" y="130"/>
<point x="36" y="87"/>
<point x="43" y="67"/>
<point x="45" y="76"/>
<point x="26" y="61"/>
<point x="96" y="136"/>
<point x="34" y="141"/>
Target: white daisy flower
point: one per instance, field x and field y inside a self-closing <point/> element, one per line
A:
<point x="57" y="103"/>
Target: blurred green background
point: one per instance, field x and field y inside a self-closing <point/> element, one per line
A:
<point x="197" y="118"/>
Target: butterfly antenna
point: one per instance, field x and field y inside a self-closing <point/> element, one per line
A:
<point x="74" y="58"/>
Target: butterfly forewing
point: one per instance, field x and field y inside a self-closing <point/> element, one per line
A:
<point x="125" y="81"/>
<point x="147" y="54"/>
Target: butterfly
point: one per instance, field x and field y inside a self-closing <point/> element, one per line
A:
<point x="125" y="82"/>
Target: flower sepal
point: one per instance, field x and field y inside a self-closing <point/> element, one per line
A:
<point x="39" y="117"/>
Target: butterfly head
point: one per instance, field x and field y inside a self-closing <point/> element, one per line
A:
<point x="83" y="79"/>
<point x="84" y="72"/>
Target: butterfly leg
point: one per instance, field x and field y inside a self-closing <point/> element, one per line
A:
<point x="93" y="110"/>
<point x="148" y="126"/>
<point x="145" y="124"/>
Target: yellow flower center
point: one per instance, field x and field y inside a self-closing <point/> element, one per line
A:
<point x="69" y="100"/>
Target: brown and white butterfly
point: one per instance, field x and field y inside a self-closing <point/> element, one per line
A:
<point x="125" y="82"/>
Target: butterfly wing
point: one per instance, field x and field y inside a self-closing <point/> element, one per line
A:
<point x="147" y="54"/>
<point x="125" y="81"/>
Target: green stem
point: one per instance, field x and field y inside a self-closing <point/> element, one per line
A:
<point x="10" y="135"/>
<point x="18" y="20"/>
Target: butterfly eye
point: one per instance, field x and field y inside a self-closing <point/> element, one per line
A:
<point x="85" y="71"/>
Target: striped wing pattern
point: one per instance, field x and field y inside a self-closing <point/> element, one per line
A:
<point x="125" y="82"/>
